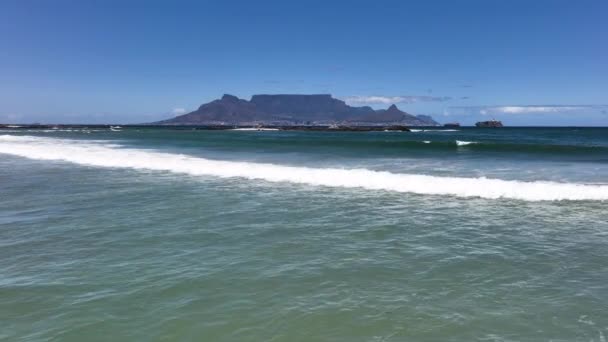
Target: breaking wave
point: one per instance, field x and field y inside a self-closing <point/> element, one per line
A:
<point x="433" y="130"/>
<point x="99" y="154"/>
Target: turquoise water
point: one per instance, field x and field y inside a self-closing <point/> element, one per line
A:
<point x="438" y="235"/>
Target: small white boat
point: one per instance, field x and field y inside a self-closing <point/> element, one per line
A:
<point x="115" y="128"/>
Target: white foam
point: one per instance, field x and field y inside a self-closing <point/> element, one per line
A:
<point x="95" y="153"/>
<point x="464" y="143"/>
<point x="254" y="129"/>
<point x="434" y="130"/>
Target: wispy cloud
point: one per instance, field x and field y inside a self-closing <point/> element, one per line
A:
<point x="536" y="109"/>
<point x="531" y="115"/>
<point x="378" y="99"/>
<point x="178" y="111"/>
<point x="526" y="109"/>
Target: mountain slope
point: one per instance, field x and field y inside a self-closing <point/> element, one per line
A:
<point x="286" y="109"/>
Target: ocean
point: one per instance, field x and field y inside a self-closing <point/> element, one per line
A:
<point x="152" y="234"/>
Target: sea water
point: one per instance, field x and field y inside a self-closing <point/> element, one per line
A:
<point x="149" y="234"/>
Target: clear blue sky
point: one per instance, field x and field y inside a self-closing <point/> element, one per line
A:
<point x="521" y="61"/>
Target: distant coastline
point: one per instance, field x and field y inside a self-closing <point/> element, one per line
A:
<point x="317" y="128"/>
<point x="232" y="127"/>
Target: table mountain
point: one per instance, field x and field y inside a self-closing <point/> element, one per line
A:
<point x="287" y="109"/>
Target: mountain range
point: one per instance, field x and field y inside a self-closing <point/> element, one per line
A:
<point x="288" y="109"/>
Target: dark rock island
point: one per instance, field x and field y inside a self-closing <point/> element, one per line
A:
<point x="286" y="110"/>
<point x="489" y="124"/>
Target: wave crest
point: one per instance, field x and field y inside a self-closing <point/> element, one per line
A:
<point x="464" y="143"/>
<point x="98" y="154"/>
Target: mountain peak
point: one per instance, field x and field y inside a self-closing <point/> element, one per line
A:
<point x="287" y="109"/>
<point x="229" y="98"/>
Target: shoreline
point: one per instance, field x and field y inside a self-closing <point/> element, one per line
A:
<point x="316" y="128"/>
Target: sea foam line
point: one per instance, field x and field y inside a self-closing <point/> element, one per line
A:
<point x="433" y="130"/>
<point x="98" y="154"/>
<point x="464" y="143"/>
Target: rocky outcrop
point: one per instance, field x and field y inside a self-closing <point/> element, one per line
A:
<point x="489" y="124"/>
<point x="285" y="109"/>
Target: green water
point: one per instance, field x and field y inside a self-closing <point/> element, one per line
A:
<point x="150" y="252"/>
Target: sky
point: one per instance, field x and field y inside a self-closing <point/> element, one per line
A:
<point x="525" y="62"/>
